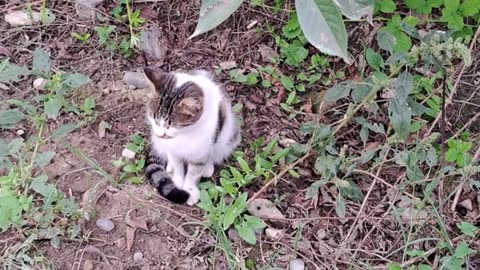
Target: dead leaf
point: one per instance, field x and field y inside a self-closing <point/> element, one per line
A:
<point x="88" y="265"/>
<point x="228" y="65"/>
<point x="137" y="222"/>
<point x="102" y="129"/>
<point x="22" y="18"/>
<point x="130" y="237"/>
<point x="265" y="209"/>
<point x="267" y="53"/>
<point x="308" y="106"/>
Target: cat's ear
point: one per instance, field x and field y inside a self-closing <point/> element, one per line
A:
<point x="203" y="73"/>
<point x="160" y="80"/>
<point x="192" y="102"/>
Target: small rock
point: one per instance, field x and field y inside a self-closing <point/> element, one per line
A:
<point x="233" y="235"/>
<point x="467" y="204"/>
<point x="20" y="132"/>
<point x="228" y="65"/>
<point x="273" y="234"/>
<point x="22" y="18"/>
<point x="127" y="153"/>
<point x="304" y="172"/>
<point x="264" y="209"/>
<point x="39" y="83"/>
<point x="105" y="224"/>
<point x="88" y="265"/>
<point x="287" y="142"/>
<point x="296" y="264"/>
<point x="86" y="8"/>
<point x="135" y="79"/>
<point x="137" y="257"/>
<point x="321" y="234"/>
<point x="152" y="45"/>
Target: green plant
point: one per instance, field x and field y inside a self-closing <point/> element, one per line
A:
<point x="83" y="38"/>
<point x="104" y="34"/>
<point x="27" y="195"/>
<point x="226" y="203"/>
<point x="458" y="152"/>
<point x="132" y="168"/>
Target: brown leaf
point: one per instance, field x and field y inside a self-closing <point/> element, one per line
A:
<point x="149" y="13"/>
<point x="130" y="237"/>
<point x="308" y="106"/>
<point x="137" y="222"/>
<point x="5" y="51"/>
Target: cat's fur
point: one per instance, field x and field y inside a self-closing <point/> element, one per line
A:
<point x="193" y="129"/>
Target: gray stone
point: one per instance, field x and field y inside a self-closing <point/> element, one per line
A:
<point x="105" y="224"/>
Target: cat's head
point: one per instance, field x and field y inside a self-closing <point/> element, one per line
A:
<point x="176" y="102"/>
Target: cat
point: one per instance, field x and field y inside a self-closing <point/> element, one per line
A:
<point x="193" y="128"/>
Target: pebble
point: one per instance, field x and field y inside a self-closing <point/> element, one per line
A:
<point x="39" y="83"/>
<point x="22" y="18"/>
<point x="273" y="234"/>
<point x="135" y="79"/>
<point x="105" y="224"/>
<point x="20" y="132"/>
<point x="137" y="257"/>
<point x="296" y="264"/>
<point x="127" y="153"/>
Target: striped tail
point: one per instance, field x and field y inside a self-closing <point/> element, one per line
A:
<point x="156" y="174"/>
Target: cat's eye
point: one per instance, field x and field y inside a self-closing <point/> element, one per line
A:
<point x="169" y="122"/>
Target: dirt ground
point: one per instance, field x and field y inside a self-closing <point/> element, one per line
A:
<point x="149" y="232"/>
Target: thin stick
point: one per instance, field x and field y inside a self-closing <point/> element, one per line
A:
<point x="383" y="181"/>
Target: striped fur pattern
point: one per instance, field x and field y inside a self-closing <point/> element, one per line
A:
<point x="193" y="129"/>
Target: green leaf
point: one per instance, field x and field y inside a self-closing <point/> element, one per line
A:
<point x="40" y="185"/>
<point x="64" y="130"/>
<point x="233" y="211"/>
<point x="403" y="86"/>
<point x="9" y="118"/>
<point x="43" y="159"/>
<point x="340" y="206"/>
<point x="470" y="7"/>
<point x="52" y="107"/>
<point x="431" y="158"/>
<point x="467" y="228"/>
<point x="323" y="26"/>
<point x="213" y="13"/>
<point x="294" y="54"/>
<point x="282" y="153"/>
<point x="400" y="117"/>
<point x="41" y="61"/>
<point x="374" y="59"/>
<point x="287" y="82"/>
<point x="394" y="266"/>
<point x="313" y="189"/>
<point x="387" y="6"/>
<point x="254" y="222"/>
<point x="352" y="191"/>
<point x="292" y="29"/>
<point x="47" y="16"/>
<point x="463" y="250"/>
<point x="246" y="233"/>
<point x="243" y="164"/>
<point x="104" y="32"/>
<point x="75" y="80"/>
<point x="136" y="180"/>
<point x="10" y="72"/>
<point x="386" y="40"/>
<point x="355" y="9"/>
<point x="339" y="91"/>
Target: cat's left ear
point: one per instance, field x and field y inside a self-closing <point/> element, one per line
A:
<point x="160" y="80"/>
<point x="192" y="102"/>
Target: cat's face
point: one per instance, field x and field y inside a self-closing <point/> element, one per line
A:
<point x="172" y="106"/>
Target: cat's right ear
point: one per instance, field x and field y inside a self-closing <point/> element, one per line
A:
<point x="158" y="78"/>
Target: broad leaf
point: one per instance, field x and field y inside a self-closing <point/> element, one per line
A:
<point x="213" y="13"/>
<point x="9" y="118"/>
<point x="10" y="72"/>
<point x="254" y="222"/>
<point x="356" y="9"/>
<point x="323" y="26"/>
<point x="233" y="211"/>
<point x="403" y="86"/>
<point x="339" y="91"/>
<point x="400" y="117"/>
<point x="64" y="130"/>
<point x="386" y="40"/>
<point x="340" y="206"/>
<point x="468" y="228"/>
<point x="41" y="61"/>
<point x="374" y="59"/>
<point x="52" y="107"/>
<point x="75" y="80"/>
<point x="43" y="159"/>
<point x="246" y="233"/>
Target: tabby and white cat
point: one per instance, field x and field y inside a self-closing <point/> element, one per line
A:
<point x="193" y="129"/>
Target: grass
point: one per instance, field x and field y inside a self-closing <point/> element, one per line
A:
<point x="374" y="164"/>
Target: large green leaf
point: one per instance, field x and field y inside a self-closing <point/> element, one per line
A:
<point x="9" y="118"/>
<point x="323" y="26"/>
<point x="356" y="9"/>
<point x="41" y="61"/>
<point x="10" y="72"/>
<point x="213" y="13"/>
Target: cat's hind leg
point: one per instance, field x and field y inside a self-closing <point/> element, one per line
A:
<point x="208" y="170"/>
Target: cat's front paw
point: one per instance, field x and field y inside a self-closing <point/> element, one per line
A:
<point x="208" y="171"/>
<point x="194" y="195"/>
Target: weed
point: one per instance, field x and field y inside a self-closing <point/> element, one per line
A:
<point x="132" y="168"/>
<point x="82" y="38"/>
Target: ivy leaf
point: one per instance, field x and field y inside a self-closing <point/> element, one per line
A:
<point x="9" y="118"/>
<point x="41" y="61"/>
<point x="467" y="228"/>
<point x="374" y="59"/>
<point x="323" y="27"/>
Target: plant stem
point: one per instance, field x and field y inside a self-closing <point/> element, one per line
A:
<point x="130" y="26"/>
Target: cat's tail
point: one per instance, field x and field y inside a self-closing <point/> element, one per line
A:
<point x="156" y="174"/>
